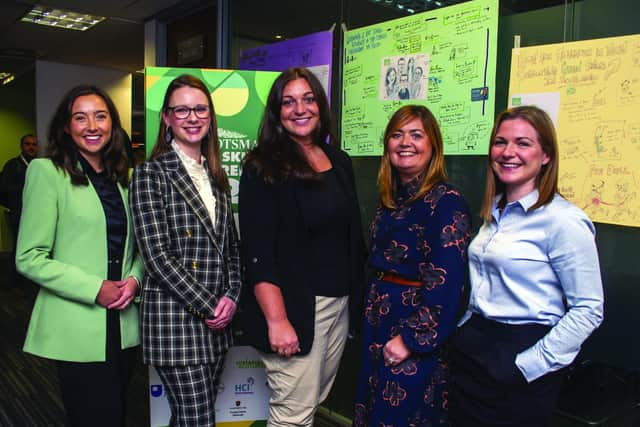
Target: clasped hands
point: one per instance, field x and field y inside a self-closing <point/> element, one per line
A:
<point x="117" y="294"/>
<point x="222" y="314"/>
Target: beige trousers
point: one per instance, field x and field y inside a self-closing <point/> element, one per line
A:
<point x="300" y="383"/>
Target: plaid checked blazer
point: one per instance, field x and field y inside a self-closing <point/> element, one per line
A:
<point x="190" y="263"/>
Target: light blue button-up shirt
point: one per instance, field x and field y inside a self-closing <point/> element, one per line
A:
<point x="539" y="266"/>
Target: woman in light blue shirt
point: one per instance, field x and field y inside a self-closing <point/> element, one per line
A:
<point x="536" y="289"/>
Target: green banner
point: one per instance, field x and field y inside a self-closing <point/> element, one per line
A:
<point x="444" y="59"/>
<point x="239" y="99"/>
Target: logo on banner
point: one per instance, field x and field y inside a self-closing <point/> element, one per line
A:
<point x="156" y="390"/>
<point x="239" y="410"/>
<point x="234" y="145"/>
<point x="250" y="364"/>
<point x="245" y="387"/>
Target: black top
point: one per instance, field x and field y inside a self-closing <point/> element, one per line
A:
<point x="115" y="216"/>
<point x="326" y="210"/>
<point x="11" y="185"/>
<point x="116" y="234"/>
<point x="276" y="248"/>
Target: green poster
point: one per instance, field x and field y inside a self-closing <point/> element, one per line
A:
<point x="444" y="59"/>
<point x="238" y="97"/>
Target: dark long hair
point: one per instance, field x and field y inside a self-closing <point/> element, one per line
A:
<point x="210" y="146"/>
<point x="277" y="156"/>
<point x="547" y="179"/>
<point x="63" y="151"/>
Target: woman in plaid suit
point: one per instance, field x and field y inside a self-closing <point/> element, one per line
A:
<point x="181" y="206"/>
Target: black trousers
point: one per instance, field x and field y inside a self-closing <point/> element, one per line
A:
<point x="487" y="388"/>
<point x="94" y="393"/>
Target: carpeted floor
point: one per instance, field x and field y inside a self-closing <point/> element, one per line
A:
<point x="29" y="394"/>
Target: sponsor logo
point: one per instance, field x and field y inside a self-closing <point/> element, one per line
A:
<point x="156" y="390"/>
<point x="249" y="364"/>
<point x="245" y="387"/>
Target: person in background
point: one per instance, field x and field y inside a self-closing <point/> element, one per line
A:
<point x="181" y="207"/>
<point x="302" y="248"/>
<point x="418" y="245"/>
<point x="11" y="185"/>
<point x="536" y="290"/>
<point x="76" y="242"/>
<point x="12" y="178"/>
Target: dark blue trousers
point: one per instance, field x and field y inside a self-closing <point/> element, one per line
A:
<point x="487" y="388"/>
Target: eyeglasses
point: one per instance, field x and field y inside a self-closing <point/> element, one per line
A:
<point x="182" y="111"/>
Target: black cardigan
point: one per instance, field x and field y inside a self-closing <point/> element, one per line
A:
<point x="274" y="242"/>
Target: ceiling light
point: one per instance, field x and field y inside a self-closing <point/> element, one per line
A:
<point x="61" y="18"/>
<point x="6" y="78"/>
<point x="415" y="6"/>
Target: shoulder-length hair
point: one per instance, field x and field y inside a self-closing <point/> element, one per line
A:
<point x="435" y="170"/>
<point x="210" y="145"/>
<point x="63" y="151"/>
<point x="276" y="156"/>
<point x="547" y="179"/>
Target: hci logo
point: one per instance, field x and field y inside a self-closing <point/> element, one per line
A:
<point x="246" y="387"/>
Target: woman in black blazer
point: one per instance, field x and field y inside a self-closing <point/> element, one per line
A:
<point x="302" y="248"/>
<point x="181" y="207"/>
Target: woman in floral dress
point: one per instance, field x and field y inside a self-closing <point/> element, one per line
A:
<point x="419" y="238"/>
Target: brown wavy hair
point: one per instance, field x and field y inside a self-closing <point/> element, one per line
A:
<point x="434" y="172"/>
<point x="210" y="146"/>
<point x="276" y="156"/>
<point x="63" y="151"/>
<point x="547" y="180"/>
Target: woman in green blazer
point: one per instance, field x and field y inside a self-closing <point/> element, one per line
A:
<point x="77" y="243"/>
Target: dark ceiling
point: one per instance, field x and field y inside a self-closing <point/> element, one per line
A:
<point x="118" y="42"/>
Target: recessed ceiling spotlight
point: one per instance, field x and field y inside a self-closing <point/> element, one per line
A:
<point x="61" y="18"/>
<point x="6" y="78"/>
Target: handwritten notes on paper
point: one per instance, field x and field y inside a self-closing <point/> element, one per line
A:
<point x="443" y="59"/>
<point x="597" y="86"/>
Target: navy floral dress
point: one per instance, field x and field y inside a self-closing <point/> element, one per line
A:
<point x="426" y="241"/>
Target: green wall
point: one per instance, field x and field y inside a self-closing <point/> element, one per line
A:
<point x="17" y="114"/>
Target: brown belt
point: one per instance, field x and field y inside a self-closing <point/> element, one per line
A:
<point x="398" y="280"/>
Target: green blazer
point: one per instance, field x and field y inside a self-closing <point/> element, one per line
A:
<point x="62" y="246"/>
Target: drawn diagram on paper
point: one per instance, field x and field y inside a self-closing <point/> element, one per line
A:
<point x="443" y="59"/>
<point x="597" y="84"/>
